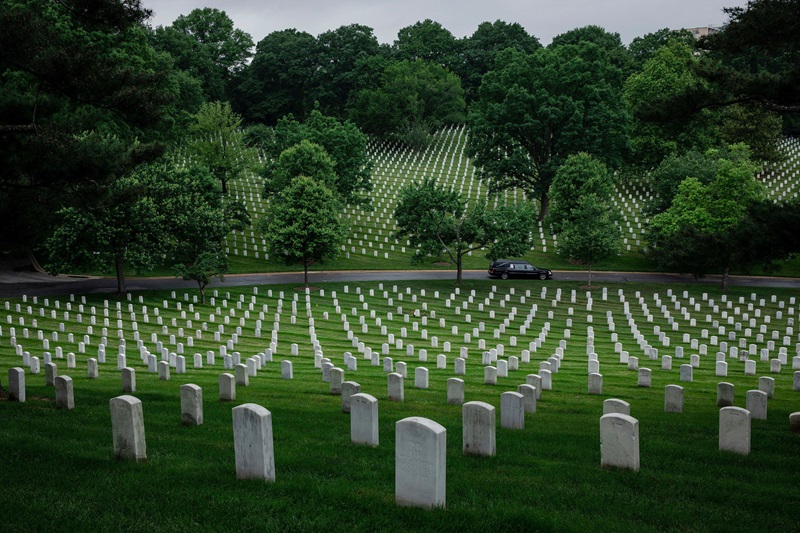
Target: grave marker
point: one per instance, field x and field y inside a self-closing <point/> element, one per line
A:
<point x="619" y="441"/>
<point x="191" y="405"/>
<point x="65" y="397"/>
<point x="734" y="430"/>
<point x="364" y="419"/>
<point x="420" y="463"/>
<point x="252" y="442"/>
<point x="479" y="429"/>
<point x="127" y="428"/>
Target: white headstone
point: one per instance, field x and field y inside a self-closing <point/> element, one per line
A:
<point x="725" y="394"/>
<point x="252" y="442"/>
<point x="65" y="396"/>
<point x="395" y="386"/>
<point x="734" y="430"/>
<point x="529" y="394"/>
<point x="512" y="410"/>
<point x="128" y="380"/>
<point x="364" y="419"/>
<point x="286" y="370"/>
<point x="479" y="429"/>
<point x="127" y="428"/>
<point x="615" y="405"/>
<point x="421" y="377"/>
<point x="595" y="383"/>
<point x="455" y="391"/>
<point x="756" y="403"/>
<point x="619" y="441"/>
<point x="673" y="399"/>
<point x="420" y="463"/>
<point x="227" y="387"/>
<point x="349" y="388"/>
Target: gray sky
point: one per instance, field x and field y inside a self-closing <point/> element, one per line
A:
<point x="543" y="18"/>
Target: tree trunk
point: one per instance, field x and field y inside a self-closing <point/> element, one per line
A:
<point x="458" y="270"/>
<point x="202" y="287"/>
<point x="544" y="202"/>
<point x="725" y="275"/>
<point x="590" y="274"/>
<point x="305" y="273"/>
<point x="224" y="186"/>
<point x="119" y="266"/>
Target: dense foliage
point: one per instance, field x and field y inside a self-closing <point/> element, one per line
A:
<point x="437" y="221"/>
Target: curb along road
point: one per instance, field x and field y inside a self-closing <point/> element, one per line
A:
<point x="44" y="285"/>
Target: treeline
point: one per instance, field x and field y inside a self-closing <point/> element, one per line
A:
<point x="90" y="95"/>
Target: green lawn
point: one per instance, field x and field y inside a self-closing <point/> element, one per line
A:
<point x="59" y="471"/>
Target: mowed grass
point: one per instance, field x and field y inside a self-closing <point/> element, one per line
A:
<point x="59" y="471"/>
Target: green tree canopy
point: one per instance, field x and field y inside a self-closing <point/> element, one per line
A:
<point x="702" y="230"/>
<point x="342" y="142"/>
<point x="661" y="127"/>
<point x="581" y="210"/>
<point x="535" y="110"/>
<point x="610" y="42"/>
<point x="755" y="58"/>
<point x="218" y="142"/>
<point x="83" y="100"/>
<point x="480" y="50"/>
<point x="580" y="175"/>
<point x="338" y="53"/>
<point x="279" y="79"/>
<point x="303" y="159"/>
<point x="642" y="48"/>
<point x="669" y="175"/>
<point x="427" y="41"/>
<point x="206" y="45"/>
<point x="137" y="219"/>
<point x="415" y="98"/>
<point x="437" y="220"/>
<point x="302" y="224"/>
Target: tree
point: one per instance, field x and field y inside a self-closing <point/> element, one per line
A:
<point x="580" y="175"/>
<point x="83" y="100"/>
<point x="415" y="98"/>
<point x="581" y="210"/>
<point x="427" y="41"/>
<point x="754" y="59"/>
<point x="279" y="79"/>
<point x="302" y="224"/>
<point x="207" y="266"/>
<point x="611" y="43"/>
<point x="338" y="54"/>
<point x="342" y="142"/>
<point x="751" y="63"/>
<point x="228" y="47"/>
<point x="199" y="221"/>
<point x="437" y="220"/>
<point x="643" y="48"/>
<point x="218" y="142"/>
<point x="535" y="110"/>
<point x="303" y="159"/>
<point x="205" y="45"/>
<point x="480" y="50"/>
<point x="703" y="228"/>
<point x="668" y="176"/>
<point x="123" y="228"/>
<point x="664" y="122"/>
<point x="158" y="210"/>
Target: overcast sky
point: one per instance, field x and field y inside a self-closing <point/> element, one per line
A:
<point x="542" y="18"/>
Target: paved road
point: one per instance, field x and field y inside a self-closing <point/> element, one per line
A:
<point x="13" y="284"/>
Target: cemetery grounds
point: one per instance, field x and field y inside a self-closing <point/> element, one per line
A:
<point x="59" y="469"/>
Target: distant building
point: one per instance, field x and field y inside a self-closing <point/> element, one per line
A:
<point x="704" y="31"/>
